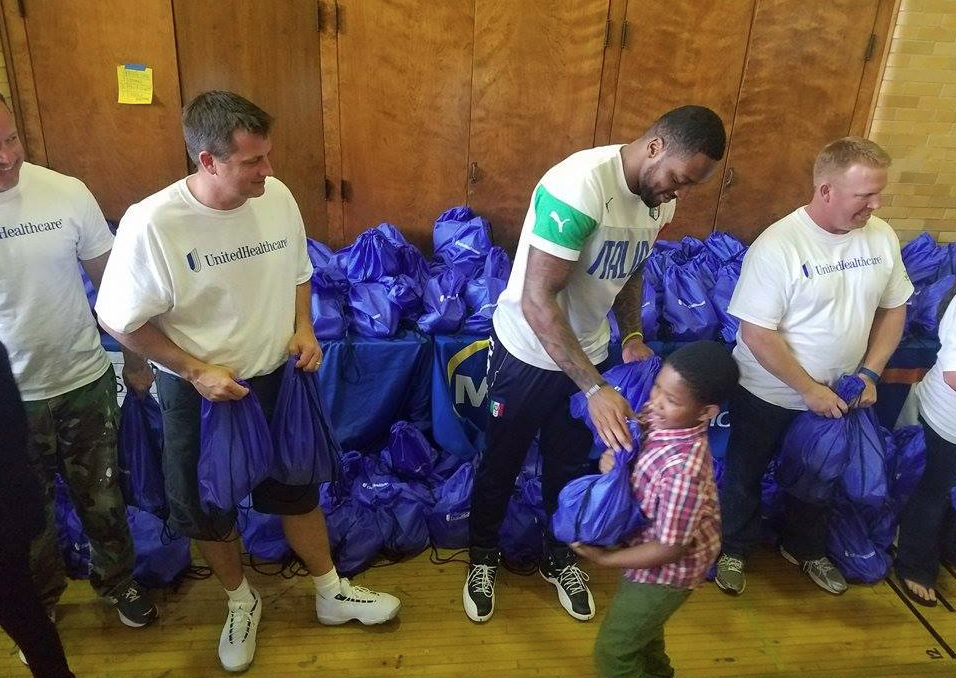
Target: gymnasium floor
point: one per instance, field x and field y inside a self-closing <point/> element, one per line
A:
<point x="782" y="626"/>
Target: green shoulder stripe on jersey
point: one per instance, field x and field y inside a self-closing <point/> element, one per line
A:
<point x="558" y="222"/>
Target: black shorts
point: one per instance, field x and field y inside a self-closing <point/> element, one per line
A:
<point x="180" y="403"/>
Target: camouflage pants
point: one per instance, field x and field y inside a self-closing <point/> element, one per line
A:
<point x="74" y="434"/>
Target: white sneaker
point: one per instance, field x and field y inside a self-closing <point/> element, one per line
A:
<point x="237" y="642"/>
<point x="356" y="602"/>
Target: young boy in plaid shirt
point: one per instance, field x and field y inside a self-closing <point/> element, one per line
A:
<point x="673" y="479"/>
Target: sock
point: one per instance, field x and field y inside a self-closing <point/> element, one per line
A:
<point x="242" y="594"/>
<point x="328" y="585"/>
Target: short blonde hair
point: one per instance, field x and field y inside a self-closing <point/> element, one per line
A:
<point x="840" y="155"/>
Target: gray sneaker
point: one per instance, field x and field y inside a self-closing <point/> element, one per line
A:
<point x="730" y="575"/>
<point x="823" y="573"/>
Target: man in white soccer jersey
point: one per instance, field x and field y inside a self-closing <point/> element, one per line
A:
<point x="822" y="292"/>
<point x="592" y="221"/>
<point x="210" y="280"/>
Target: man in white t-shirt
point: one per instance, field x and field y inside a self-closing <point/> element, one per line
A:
<point x="592" y="221"/>
<point x="923" y="518"/>
<point x="210" y="280"/>
<point x="822" y="293"/>
<point x="48" y="223"/>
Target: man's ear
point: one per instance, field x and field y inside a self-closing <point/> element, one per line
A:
<point x="207" y="162"/>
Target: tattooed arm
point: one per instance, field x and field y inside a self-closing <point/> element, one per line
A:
<point x="546" y="276"/>
<point x="627" y="310"/>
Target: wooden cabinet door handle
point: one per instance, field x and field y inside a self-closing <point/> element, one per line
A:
<point x="730" y="177"/>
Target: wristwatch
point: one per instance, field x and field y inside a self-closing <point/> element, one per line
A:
<point x="867" y="372"/>
<point x="594" y="389"/>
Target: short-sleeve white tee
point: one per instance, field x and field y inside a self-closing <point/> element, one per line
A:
<point x="48" y="221"/>
<point x="820" y="291"/>
<point x="219" y="283"/>
<point x="937" y="399"/>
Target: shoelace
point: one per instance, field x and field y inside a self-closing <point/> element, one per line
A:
<point x="732" y="564"/>
<point x="364" y="595"/>
<point x="572" y="579"/>
<point x="481" y="581"/>
<point x="821" y="565"/>
<point x="240" y="615"/>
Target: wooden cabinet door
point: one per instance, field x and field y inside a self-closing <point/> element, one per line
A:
<point x="678" y="53"/>
<point x="268" y="53"/>
<point x="799" y="90"/>
<point x="404" y="85"/>
<point x="122" y="152"/>
<point x="537" y="76"/>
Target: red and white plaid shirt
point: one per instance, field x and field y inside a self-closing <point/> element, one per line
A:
<point x="673" y="480"/>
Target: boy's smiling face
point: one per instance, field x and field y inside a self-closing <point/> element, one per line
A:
<point x="673" y="405"/>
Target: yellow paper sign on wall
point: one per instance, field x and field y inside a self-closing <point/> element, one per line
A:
<point x="135" y="84"/>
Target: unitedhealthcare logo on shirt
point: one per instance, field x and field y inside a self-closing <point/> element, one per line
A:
<point x="195" y="263"/>
<point x="811" y="270"/>
<point x="196" y="260"/>
<point x="29" y="228"/>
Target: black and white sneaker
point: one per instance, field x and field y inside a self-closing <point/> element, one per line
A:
<point x="133" y="605"/>
<point x="478" y="594"/>
<point x="356" y="602"/>
<point x="561" y="569"/>
<point x="237" y="642"/>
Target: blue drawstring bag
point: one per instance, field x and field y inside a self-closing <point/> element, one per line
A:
<point x="88" y="288"/>
<point x="372" y="257"/>
<point x="161" y="557"/>
<point x="375" y="487"/>
<point x="373" y="313"/>
<point x="481" y="300"/>
<point x="864" y="477"/>
<point x="351" y="463"/>
<point x="497" y="264"/>
<point x="444" y="467"/>
<point x="406" y="294"/>
<point x="407" y="532"/>
<point x="599" y="509"/>
<point x="704" y="266"/>
<point x="724" y="284"/>
<point x="319" y="253"/>
<point x="264" y="538"/>
<point x="409" y="452"/>
<point x="522" y="531"/>
<point x="850" y="548"/>
<point x="392" y="234"/>
<point x="235" y="451"/>
<point x="923" y="258"/>
<point x="815" y="449"/>
<point x="690" y="247"/>
<point x="905" y="466"/>
<point x="650" y="311"/>
<point x="633" y="380"/>
<point x="328" y="314"/>
<point x="305" y="453"/>
<point x="448" y="518"/>
<point x="140" y="448"/>
<point x="725" y="247"/>
<point x="444" y="303"/>
<point x="687" y="311"/>
<point x="355" y="536"/>
<point x="462" y="240"/>
<point x="922" y="308"/>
